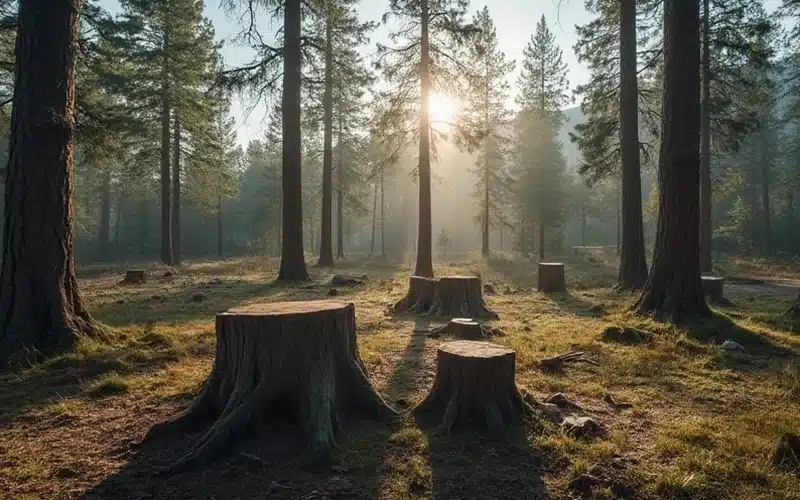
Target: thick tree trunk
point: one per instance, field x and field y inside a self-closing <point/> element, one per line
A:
<point x="220" y="236"/>
<point x="460" y="296"/>
<point x="673" y="290"/>
<point x="550" y="278"/>
<point x="765" y="189"/>
<point x="301" y="353"/>
<point x="420" y="296"/>
<point x="424" y="266"/>
<point x="475" y="382"/>
<point x="326" y="230"/>
<point x="632" y="261"/>
<point x="166" y="208"/>
<point x="104" y="235"/>
<point x="41" y="310"/>
<point x="340" y="194"/>
<point x="705" y="147"/>
<point x="486" y="167"/>
<point x="293" y="264"/>
<point x="176" y="191"/>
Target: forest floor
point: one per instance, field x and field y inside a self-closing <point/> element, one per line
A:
<point x="703" y="422"/>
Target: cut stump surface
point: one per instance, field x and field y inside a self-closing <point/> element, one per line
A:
<point x="475" y="383"/>
<point x="135" y="277"/>
<point x="551" y="277"/>
<point x="300" y="358"/>
<point x="460" y="296"/>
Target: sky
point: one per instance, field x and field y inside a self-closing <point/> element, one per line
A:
<point x="515" y="21"/>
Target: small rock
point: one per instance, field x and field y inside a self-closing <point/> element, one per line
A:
<point x="526" y="329"/>
<point x="489" y="289"/>
<point x="333" y="292"/>
<point x="625" y="335"/>
<point x="584" y="483"/>
<point x="730" y="345"/>
<point x="551" y="412"/>
<point x="787" y="453"/>
<point x="119" y="302"/>
<point x="559" y="399"/>
<point x="583" y="427"/>
<point x="199" y="297"/>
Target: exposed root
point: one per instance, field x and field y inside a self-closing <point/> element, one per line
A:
<point x="421" y="292"/>
<point x="560" y="362"/>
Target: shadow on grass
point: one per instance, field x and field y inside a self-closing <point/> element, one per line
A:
<point x="576" y="305"/>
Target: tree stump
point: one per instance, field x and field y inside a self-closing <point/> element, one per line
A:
<point x="459" y="296"/>
<point x="465" y="328"/>
<point x="135" y="277"/>
<point x="295" y="357"/>
<point x="475" y="382"/>
<point x="712" y="287"/>
<point x="421" y="292"/>
<point x="551" y="277"/>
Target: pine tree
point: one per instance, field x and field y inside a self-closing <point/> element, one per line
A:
<point x="540" y="164"/>
<point x="423" y="60"/>
<point x="487" y="113"/>
<point x="40" y="304"/>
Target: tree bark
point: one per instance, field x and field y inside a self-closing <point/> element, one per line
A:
<point x="220" y="240"/>
<point x="303" y="353"/>
<point x="374" y="217"/>
<point x="632" y="261"/>
<point x="486" y="166"/>
<point x="326" y="229"/>
<point x="293" y="264"/>
<point x="705" y="146"/>
<point x="166" y="208"/>
<point x="176" y="191"/>
<point x="550" y="278"/>
<point x="460" y="296"/>
<point x="340" y="193"/>
<point x="673" y="290"/>
<point x="475" y="382"/>
<point x="104" y="236"/>
<point x="41" y="311"/>
<point x="765" y="187"/>
<point x="420" y="296"/>
<point x="424" y="265"/>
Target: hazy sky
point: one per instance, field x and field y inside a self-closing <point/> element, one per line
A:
<point x="515" y="21"/>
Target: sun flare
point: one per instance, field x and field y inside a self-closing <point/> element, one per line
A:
<point x="441" y="109"/>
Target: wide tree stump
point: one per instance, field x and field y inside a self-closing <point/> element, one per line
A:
<point x="475" y="384"/>
<point x="465" y="328"/>
<point x="294" y="358"/>
<point x="418" y="300"/>
<point x="551" y="277"/>
<point x="460" y="296"/>
<point x="135" y="277"/>
<point x="712" y="287"/>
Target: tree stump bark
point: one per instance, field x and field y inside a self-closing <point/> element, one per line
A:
<point x="475" y="382"/>
<point x="460" y="296"/>
<point x="421" y="292"/>
<point x="551" y="277"/>
<point x="135" y="277"/>
<point x="712" y="287"/>
<point x="465" y="328"/>
<point x="303" y="353"/>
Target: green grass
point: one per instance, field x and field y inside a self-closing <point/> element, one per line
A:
<point x="702" y="425"/>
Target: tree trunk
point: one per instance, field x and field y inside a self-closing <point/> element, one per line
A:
<point x="475" y="382"/>
<point x="326" y="230"/>
<point x="705" y="147"/>
<point x="765" y="187"/>
<point x="220" y="245"/>
<point x="790" y="216"/>
<point x="293" y="264"/>
<point x="41" y="310"/>
<point x="374" y="217"/>
<point x="301" y="353"/>
<point x="117" y="224"/>
<point x="383" y="220"/>
<point x="632" y="261"/>
<point x="104" y="236"/>
<point x="143" y="226"/>
<point x="424" y="266"/>
<point x="166" y="208"/>
<point x="340" y="194"/>
<point x="460" y="296"/>
<point x="420" y="296"/>
<point x="176" y="191"/>
<point x="485" y="220"/>
<point x="583" y="223"/>
<point x="541" y="240"/>
<point x="673" y="290"/>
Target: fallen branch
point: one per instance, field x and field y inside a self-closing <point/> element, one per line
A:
<point x="560" y="361"/>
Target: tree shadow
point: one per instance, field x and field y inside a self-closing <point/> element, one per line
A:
<point x="576" y="305"/>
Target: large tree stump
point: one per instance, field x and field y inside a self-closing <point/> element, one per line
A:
<point x="458" y="296"/>
<point x="551" y="277"/>
<point x="712" y="287"/>
<point x="418" y="300"/>
<point x="135" y="277"/>
<point x="475" y="382"/>
<point x="299" y="358"/>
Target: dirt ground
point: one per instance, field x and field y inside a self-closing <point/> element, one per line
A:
<point x="702" y="425"/>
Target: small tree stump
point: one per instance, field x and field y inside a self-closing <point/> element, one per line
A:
<point x="712" y="286"/>
<point x="295" y="357"/>
<point x="465" y="328"/>
<point x="135" y="277"/>
<point x="551" y="277"/>
<point x="458" y="296"/>
<point x="421" y="292"/>
<point x="475" y="381"/>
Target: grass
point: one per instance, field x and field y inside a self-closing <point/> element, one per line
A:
<point x="702" y="425"/>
